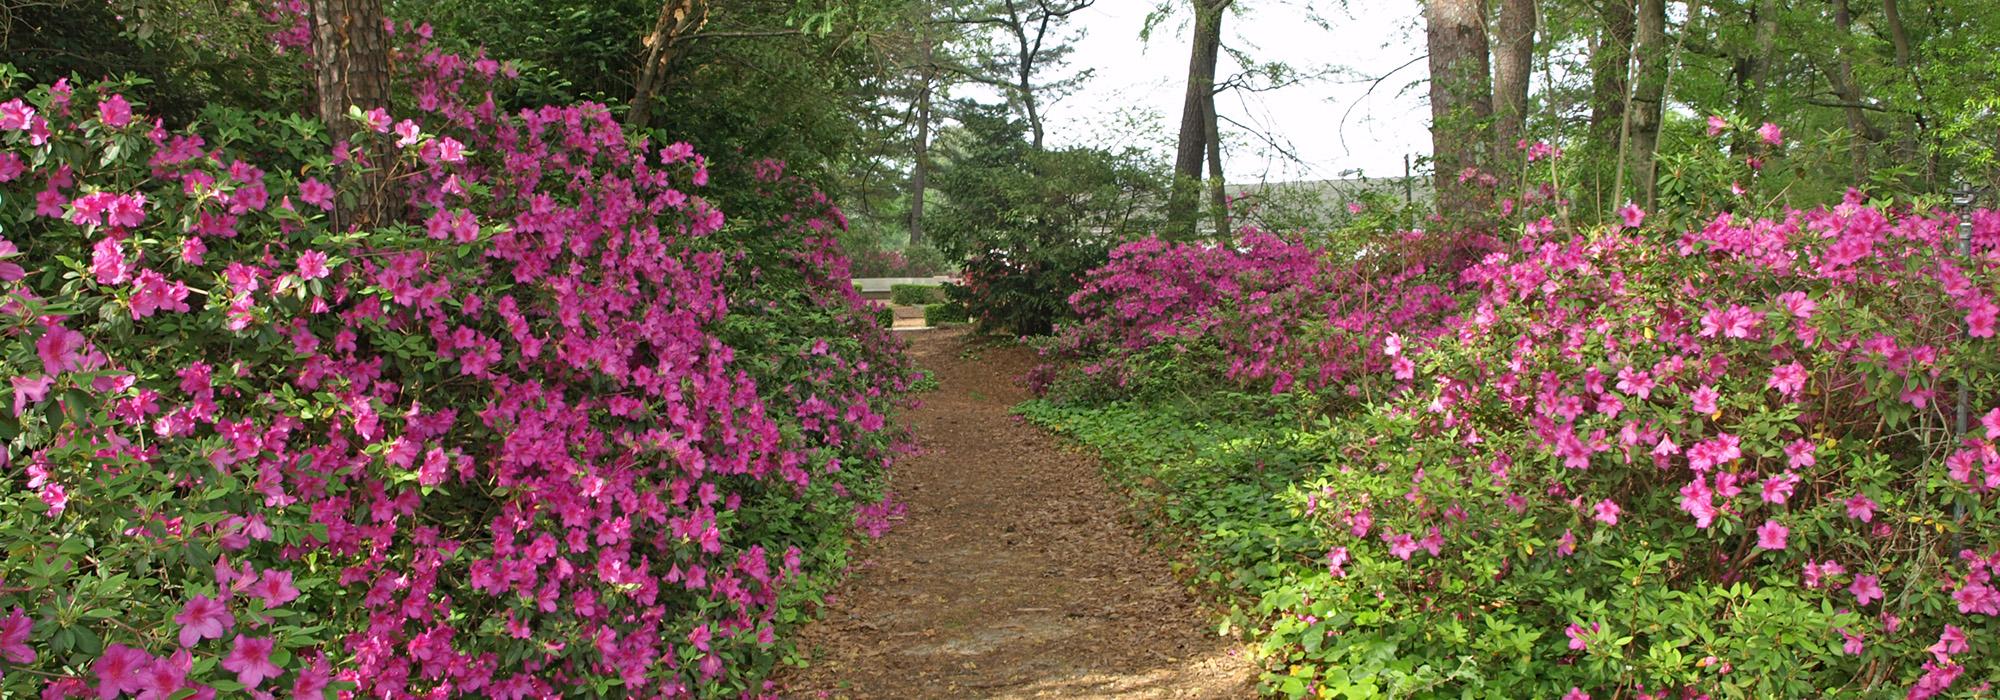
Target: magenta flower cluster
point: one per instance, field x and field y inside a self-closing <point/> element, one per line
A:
<point x="535" y="436"/>
<point x="1623" y="461"/>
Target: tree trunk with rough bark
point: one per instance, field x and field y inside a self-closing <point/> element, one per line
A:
<point x="1218" y="197"/>
<point x="920" y="171"/>
<point x="1648" y="101"/>
<point x="1610" y="65"/>
<point x="1908" y="148"/>
<point x="1751" y="74"/>
<point x="1513" y="65"/>
<point x="1461" y="102"/>
<point x="678" y="18"/>
<point x="351" y="69"/>
<point x="1197" y="111"/>
<point x="1864" y="133"/>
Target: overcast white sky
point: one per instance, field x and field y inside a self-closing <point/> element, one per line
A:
<point x="1367" y="38"/>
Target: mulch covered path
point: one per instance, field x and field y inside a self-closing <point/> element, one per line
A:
<point x="1011" y="576"/>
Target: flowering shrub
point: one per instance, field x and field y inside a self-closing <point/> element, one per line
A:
<point x="543" y="435"/>
<point x="1281" y="312"/>
<point x="1622" y="462"/>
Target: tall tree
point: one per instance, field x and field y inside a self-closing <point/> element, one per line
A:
<point x="351" y="69"/>
<point x="677" y="19"/>
<point x="1035" y="39"/>
<point x="1646" y="106"/>
<point x="1513" y="63"/>
<point x="1610" y="70"/>
<point x="1862" y="131"/>
<point x="1461" y="101"/>
<point x="1198" y="117"/>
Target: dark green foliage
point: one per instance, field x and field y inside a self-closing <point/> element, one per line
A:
<point x="915" y="294"/>
<point x="178" y="58"/>
<point x="944" y="314"/>
<point x="1029" y="223"/>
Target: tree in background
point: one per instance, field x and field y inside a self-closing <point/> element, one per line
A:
<point x="1199" y="139"/>
<point x="351" y="73"/>
<point x="1029" y="222"/>
<point x="1461" y="102"/>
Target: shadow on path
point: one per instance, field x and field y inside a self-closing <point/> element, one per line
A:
<point x="1011" y="576"/>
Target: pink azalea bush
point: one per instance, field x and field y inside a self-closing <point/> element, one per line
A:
<point x="559" y="427"/>
<point x="1626" y="461"/>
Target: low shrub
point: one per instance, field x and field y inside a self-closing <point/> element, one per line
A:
<point x="915" y="294"/>
<point x="944" y="314"/>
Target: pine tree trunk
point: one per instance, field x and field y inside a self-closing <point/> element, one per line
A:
<point x="920" y="171"/>
<point x="1907" y="148"/>
<point x="351" y="69"/>
<point x="1195" y="107"/>
<point x="1752" y="75"/>
<point x="1461" y="101"/>
<point x="1512" y="65"/>
<point x="1864" y="133"/>
<point x="1610" y="63"/>
<point x="1218" y="196"/>
<point x="1648" y="96"/>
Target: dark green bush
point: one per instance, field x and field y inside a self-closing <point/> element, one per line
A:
<point x="915" y="294"/>
<point x="947" y="313"/>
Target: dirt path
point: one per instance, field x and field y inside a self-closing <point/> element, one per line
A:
<point x="1011" y="576"/>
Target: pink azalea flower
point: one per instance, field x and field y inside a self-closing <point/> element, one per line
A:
<point x="1705" y="398"/>
<point x="250" y="658"/>
<point x="275" y="587"/>
<point x="118" y="670"/>
<point x="55" y="497"/>
<point x="1798" y="304"/>
<point x="29" y="392"/>
<point x="1860" y="507"/>
<point x="377" y="119"/>
<point x="1772" y="134"/>
<point x="203" y="618"/>
<point x="1576" y="693"/>
<point x="450" y="150"/>
<point x="1799" y="453"/>
<point x="1336" y="562"/>
<point x="1851" y="643"/>
<point x="16" y="115"/>
<point x="1778" y="488"/>
<point x="1632" y="215"/>
<point x="316" y="193"/>
<point x="1952" y="641"/>
<point x="1771" y="535"/>
<point x="1566" y="545"/>
<point x="164" y="678"/>
<point x="1787" y="379"/>
<point x="11" y="167"/>
<point x="1607" y="512"/>
<point x="1578" y="635"/>
<point x="312" y="265"/>
<point x="107" y="262"/>
<point x="61" y="350"/>
<point x="1716" y="124"/>
<point x="1401" y="546"/>
<point x="115" y="112"/>
<point x="407" y="133"/>
<point x="312" y="682"/>
<point x="14" y="632"/>
<point x="1991" y="421"/>
<point x="1866" y="588"/>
